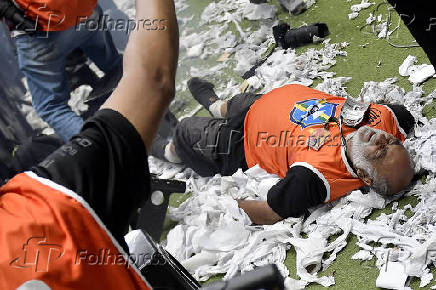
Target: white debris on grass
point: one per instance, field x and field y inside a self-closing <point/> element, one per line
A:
<point x="212" y="212"/>
<point x="353" y="15"/>
<point x="334" y="86"/>
<point x="371" y="18"/>
<point x="355" y="9"/>
<point x="211" y="225"/>
<point x="417" y="73"/>
<point x="244" y="47"/>
<point x="363" y="255"/>
<point x="392" y="276"/>
<point x="405" y="67"/>
<point x="422" y="146"/>
<point x="235" y="10"/>
<point x="422" y="73"/>
<point x="212" y="42"/>
<point x="215" y="237"/>
<point x="286" y="67"/>
<point x="309" y="3"/>
<point x="382" y="30"/>
<point x="259" y="11"/>
<point x="363" y="5"/>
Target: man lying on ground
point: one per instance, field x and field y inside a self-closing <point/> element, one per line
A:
<point x="56" y="220"/>
<point x="296" y="133"/>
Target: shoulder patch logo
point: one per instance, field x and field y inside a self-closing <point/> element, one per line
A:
<point x="374" y="117"/>
<point x="312" y="112"/>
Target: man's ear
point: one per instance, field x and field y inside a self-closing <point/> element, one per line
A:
<point x="364" y="176"/>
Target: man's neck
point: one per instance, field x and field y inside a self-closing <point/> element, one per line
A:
<point x="348" y="149"/>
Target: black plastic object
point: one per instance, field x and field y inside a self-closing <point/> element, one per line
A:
<point x="293" y="38"/>
<point x="162" y="270"/>
<point x="152" y="216"/>
<point x="252" y="71"/>
<point x="104" y="87"/>
<point x="265" y="278"/>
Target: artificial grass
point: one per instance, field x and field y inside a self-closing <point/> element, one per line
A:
<point x="365" y="52"/>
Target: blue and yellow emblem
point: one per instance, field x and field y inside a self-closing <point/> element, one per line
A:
<point x="312" y="112"/>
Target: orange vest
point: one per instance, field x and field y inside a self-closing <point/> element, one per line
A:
<point x="51" y="235"/>
<point x="279" y="125"/>
<point x="57" y="15"/>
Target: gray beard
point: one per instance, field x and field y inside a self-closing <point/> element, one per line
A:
<point x="359" y="156"/>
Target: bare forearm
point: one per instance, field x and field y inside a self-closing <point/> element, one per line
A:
<point x="259" y="212"/>
<point x="150" y="61"/>
<point x="154" y="48"/>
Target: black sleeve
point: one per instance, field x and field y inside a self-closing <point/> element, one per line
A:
<point x="297" y="192"/>
<point x="106" y="164"/>
<point x="34" y="150"/>
<point x="405" y="119"/>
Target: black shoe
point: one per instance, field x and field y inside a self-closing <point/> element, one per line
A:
<point x="202" y="91"/>
<point x="297" y="37"/>
<point x="279" y="32"/>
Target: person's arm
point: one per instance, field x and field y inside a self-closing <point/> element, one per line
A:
<point x="405" y="119"/>
<point x="292" y="196"/>
<point x="150" y="61"/>
<point x="259" y="212"/>
<point x="106" y="163"/>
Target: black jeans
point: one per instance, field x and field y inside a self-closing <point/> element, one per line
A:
<point x="215" y="145"/>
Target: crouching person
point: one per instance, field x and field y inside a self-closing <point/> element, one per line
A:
<point x="62" y="225"/>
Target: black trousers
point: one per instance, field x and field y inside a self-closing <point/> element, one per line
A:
<point x="215" y="145"/>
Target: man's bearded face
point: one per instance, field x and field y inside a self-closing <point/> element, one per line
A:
<point x="383" y="158"/>
<point x="369" y="146"/>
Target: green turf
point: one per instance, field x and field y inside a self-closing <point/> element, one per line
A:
<point x="365" y="52"/>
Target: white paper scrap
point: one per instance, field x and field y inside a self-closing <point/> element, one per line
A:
<point x="392" y="276"/>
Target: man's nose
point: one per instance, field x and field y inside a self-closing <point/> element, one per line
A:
<point x="380" y="139"/>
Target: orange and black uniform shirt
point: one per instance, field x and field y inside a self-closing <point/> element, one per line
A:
<point x="277" y="129"/>
<point x="62" y="225"/>
<point x="57" y="15"/>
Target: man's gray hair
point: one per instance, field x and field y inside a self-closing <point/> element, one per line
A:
<point x="379" y="184"/>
